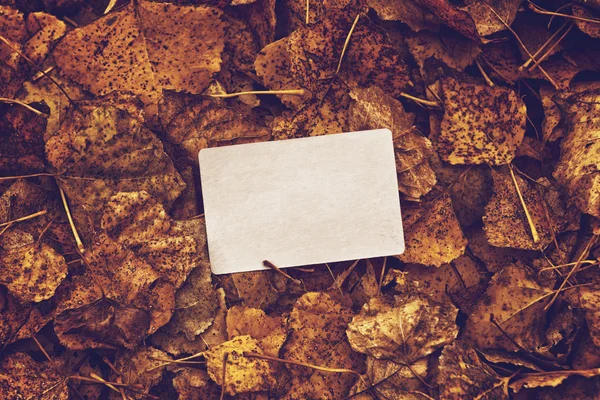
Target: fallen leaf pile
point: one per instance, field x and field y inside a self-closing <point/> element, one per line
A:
<point x="106" y="289"/>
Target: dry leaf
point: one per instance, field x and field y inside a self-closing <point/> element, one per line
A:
<point x="269" y="331"/>
<point x="432" y="233"/>
<point x="590" y="28"/>
<point x="403" y="329"/>
<point x="454" y="17"/>
<point x="505" y="220"/>
<point x="195" y="384"/>
<point x="12" y="28"/>
<point x="516" y="302"/>
<point x="198" y="122"/>
<point x="481" y="124"/>
<point x="45" y="30"/>
<point x="23" y="378"/>
<point x="462" y="374"/>
<point x="488" y="21"/>
<point x="550" y="379"/>
<point x="315" y="52"/>
<point x="578" y="169"/>
<point x="317" y="117"/>
<point x="373" y="109"/>
<point x="317" y="326"/>
<point x="146" y="38"/>
<point x="103" y="148"/>
<point x="552" y="129"/>
<point x="587" y="298"/>
<point x="409" y="12"/>
<point x="21" y="140"/>
<point x="455" y="51"/>
<point x="242" y="374"/>
<point x="139" y="367"/>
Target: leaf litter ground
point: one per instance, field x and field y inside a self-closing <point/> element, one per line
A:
<point x="105" y="284"/>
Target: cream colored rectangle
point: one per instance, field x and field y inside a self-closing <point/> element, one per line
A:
<point x="301" y="201"/>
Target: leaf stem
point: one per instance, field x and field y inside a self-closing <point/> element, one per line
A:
<point x="25" y="218"/>
<point x="534" y="232"/>
<point x="346" y="43"/>
<point x="539" y="10"/>
<point x="421" y="101"/>
<point x="297" y="92"/>
<point x="73" y="229"/>
<point x="20" y="103"/>
<point x="269" y="264"/>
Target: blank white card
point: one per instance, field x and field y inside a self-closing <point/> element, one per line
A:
<point x="301" y="201"/>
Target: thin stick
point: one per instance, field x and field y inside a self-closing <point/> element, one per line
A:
<point x="110" y="6"/>
<point x="99" y="378"/>
<point x="421" y="101"/>
<point x="177" y="362"/>
<point x="485" y="76"/>
<point x="301" y="364"/>
<point x="43" y="350"/>
<point x="27" y="106"/>
<point x="546" y="54"/>
<point x="534" y="232"/>
<point x="542" y="47"/>
<point x="381" y="276"/>
<point x="591" y="262"/>
<point x="269" y="264"/>
<point x="346" y="43"/>
<point x="489" y="64"/>
<point x="201" y="354"/>
<point x="224" y="375"/>
<point x="297" y="92"/>
<point x="522" y="45"/>
<point x="25" y="218"/>
<point x="73" y="229"/>
<point x="40" y="75"/>
<point x="307" y="10"/>
<point x="583" y="255"/>
<point x="93" y="380"/>
<point x="539" y="10"/>
<point x="9" y="178"/>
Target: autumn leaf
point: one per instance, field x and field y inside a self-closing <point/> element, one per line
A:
<point x="195" y="384"/>
<point x="578" y="169"/>
<point x="411" y="13"/>
<point x="586" y="14"/>
<point x="198" y="122"/>
<point x="454" y="50"/>
<point x="481" y="124"/>
<point x="21" y="140"/>
<point x="586" y="298"/>
<point x="146" y="37"/>
<point x="402" y="328"/>
<point x="23" y="377"/>
<point x="269" y="331"/>
<point x="527" y="218"/>
<point x="462" y="373"/>
<point x="103" y="148"/>
<point x="373" y="109"/>
<point x="433" y="235"/>
<point x="139" y="367"/>
<point x="515" y="301"/>
<point x="45" y="29"/>
<point x="240" y="374"/>
<point x="317" y="326"/>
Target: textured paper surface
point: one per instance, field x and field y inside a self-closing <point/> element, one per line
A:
<point x="301" y="201"/>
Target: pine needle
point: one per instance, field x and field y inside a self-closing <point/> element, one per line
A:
<point x="301" y="364"/>
<point x="225" y="358"/>
<point x="539" y="10"/>
<point x="346" y="44"/>
<point x="542" y="47"/>
<point x="25" y="218"/>
<point x="10" y="178"/>
<point x="583" y="255"/>
<point x="296" y="92"/>
<point x="421" y="101"/>
<point x="73" y="229"/>
<point x="269" y="264"/>
<point x="307" y="11"/>
<point x="42" y="349"/>
<point x="27" y="106"/>
<point x="110" y="6"/>
<point x="546" y="54"/>
<point x="534" y="232"/>
<point x="485" y="76"/>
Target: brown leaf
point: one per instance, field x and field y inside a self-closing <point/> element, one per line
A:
<point x="195" y="384"/>
<point x="317" y="327"/>
<point x="590" y="28"/>
<point x="578" y="169"/>
<point x="272" y="66"/>
<point x="373" y="109"/>
<point x="45" y="30"/>
<point x="23" y="378"/>
<point x="12" y="28"/>
<point x="197" y="122"/>
<point x="21" y="140"/>
<point x="146" y="38"/>
<point x="454" y="50"/>
<point x="488" y="21"/>
<point x="552" y="129"/>
<point x="242" y="374"/>
<point x="403" y="329"/>
<point x="432" y="233"/>
<point x="550" y="379"/>
<point x="138" y="367"/>
<point x="516" y="302"/>
<point x="481" y="124"/>
<point x="102" y="149"/>
<point x="269" y="331"/>
<point x="315" y="52"/>
<point x="462" y="374"/>
<point x="409" y="12"/>
<point x="454" y="17"/>
<point x="317" y="117"/>
<point x="586" y="298"/>
<point x="505" y="220"/>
